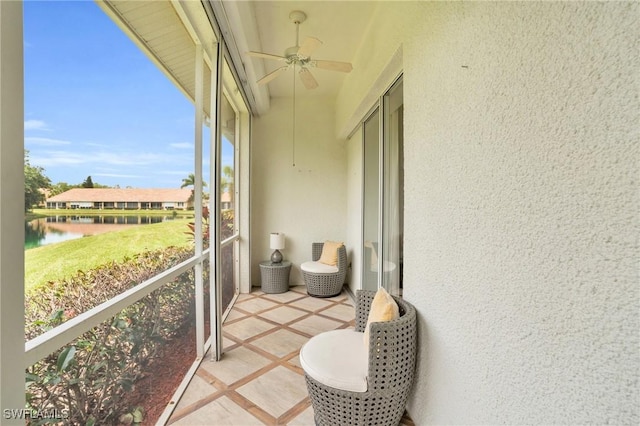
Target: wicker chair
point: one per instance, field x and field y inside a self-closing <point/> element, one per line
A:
<point x="389" y="377"/>
<point x="324" y="280"/>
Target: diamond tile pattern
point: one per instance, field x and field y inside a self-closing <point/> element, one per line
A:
<point x="259" y="380"/>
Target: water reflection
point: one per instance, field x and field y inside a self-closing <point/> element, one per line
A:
<point x="55" y="229"/>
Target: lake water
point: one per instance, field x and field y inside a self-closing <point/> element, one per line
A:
<point x="55" y="229"/>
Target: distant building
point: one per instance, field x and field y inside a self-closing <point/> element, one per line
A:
<point x="122" y="199"/>
<point x="226" y="202"/>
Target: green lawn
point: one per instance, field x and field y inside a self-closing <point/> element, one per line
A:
<point x="61" y="260"/>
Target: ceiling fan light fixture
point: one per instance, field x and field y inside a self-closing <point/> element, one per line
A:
<point x="291" y="52"/>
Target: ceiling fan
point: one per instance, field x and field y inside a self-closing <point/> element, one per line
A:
<point x="300" y="55"/>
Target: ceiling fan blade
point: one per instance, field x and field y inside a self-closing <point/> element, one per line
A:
<point x="333" y="65"/>
<point x="267" y="78"/>
<point x="308" y="46"/>
<point x="307" y="79"/>
<point x="266" y="56"/>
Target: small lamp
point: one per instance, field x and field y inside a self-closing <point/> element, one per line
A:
<point x="276" y="242"/>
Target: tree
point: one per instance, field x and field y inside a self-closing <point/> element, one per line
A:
<point x="59" y="188"/>
<point x="34" y="181"/>
<point x="88" y="183"/>
<point x="226" y="182"/>
<point x="191" y="181"/>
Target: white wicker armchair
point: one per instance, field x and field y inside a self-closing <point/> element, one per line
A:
<point x="383" y="371"/>
<point x="323" y="280"/>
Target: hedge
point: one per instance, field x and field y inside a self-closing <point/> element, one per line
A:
<point x="87" y="379"/>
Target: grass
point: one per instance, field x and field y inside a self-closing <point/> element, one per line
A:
<point x="61" y="260"/>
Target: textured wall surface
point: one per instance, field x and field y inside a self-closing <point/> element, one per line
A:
<point x="521" y="212"/>
<point x="306" y="201"/>
<point x="521" y="205"/>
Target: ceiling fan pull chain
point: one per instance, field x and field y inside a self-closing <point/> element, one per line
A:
<point x="294" y="116"/>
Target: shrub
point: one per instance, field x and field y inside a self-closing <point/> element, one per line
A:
<point x="226" y="226"/>
<point x="90" y="376"/>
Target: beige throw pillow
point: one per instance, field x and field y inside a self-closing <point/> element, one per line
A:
<point x="329" y="254"/>
<point x="383" y="308"/>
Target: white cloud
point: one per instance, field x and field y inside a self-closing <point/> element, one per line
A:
<point x="114" y="160"/>
<point x="182" y="173"/>
<point x="181" y="145"/>
<point x="98" y="145"/>
<point x="35" y="125"/>
<point x="30" y="140"/>
<point x="118" y="175"/>
<point x="56" y="158"/>
<point x="127" y="158"/>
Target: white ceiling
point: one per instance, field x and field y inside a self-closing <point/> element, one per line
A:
<point x="265" y="26"/>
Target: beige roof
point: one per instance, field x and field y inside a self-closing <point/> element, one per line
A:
<point x="122" y="195"/>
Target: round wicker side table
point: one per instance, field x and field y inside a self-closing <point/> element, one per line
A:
<point x="275" y="276"/>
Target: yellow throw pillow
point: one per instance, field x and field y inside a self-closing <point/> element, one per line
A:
<point x="329" y="254"/>
<point x="383" y="308"/>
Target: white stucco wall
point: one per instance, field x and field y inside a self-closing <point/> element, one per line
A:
<point x="306" y="201"/>
<point x="521" y="207"/>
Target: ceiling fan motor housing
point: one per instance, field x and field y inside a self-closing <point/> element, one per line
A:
<point x="297" y="17"/>
<point x="291" y="52"/>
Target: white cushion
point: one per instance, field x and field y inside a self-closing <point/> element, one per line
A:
<point x="318" y="268"/>
<point x="338" y="359"/>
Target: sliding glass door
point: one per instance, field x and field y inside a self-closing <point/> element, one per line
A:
<point x="371" y="200"/>
<point x="383" y="183"/>
<point x="392" y="190"/>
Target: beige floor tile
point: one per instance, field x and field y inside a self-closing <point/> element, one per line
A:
<point x="220" y="412"/>
<point x="340" y="312"/>
<point x="283" y="314"/>
<point x="234" y="315"/>
<point x="342" y="297"/>
<point x="247" y="328"/>
<point x="198" y="389"/>
<point x="235" y="364"/>
<point x="276" y="391"/>
<point x="281" y="387"/>
<point x="280" y="343"/>
<point x="244" y="296"/>
<point x="314" y="325"/>
<point x="295" y="361"/>
<point x="311" y="303"/>
<point x="303" y="419"/>
<point x="256" y="304"/>
<point x="226" y="343"/>
<point x="283" y="297"/>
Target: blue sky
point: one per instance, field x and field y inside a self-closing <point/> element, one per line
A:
<point x="96" y="106"/>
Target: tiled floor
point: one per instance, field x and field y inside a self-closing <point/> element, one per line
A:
<point x="259" y="380"/>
